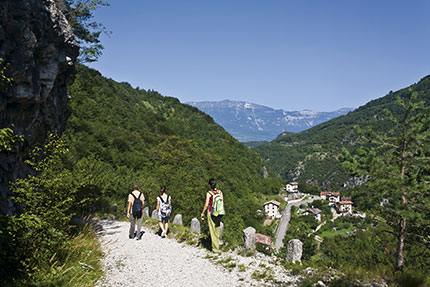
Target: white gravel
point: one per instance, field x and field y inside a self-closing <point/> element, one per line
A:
<point x="155" y="261"/>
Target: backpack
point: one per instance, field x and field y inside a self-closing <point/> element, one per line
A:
<point x="137" y="206"/>
<point x="217" y="204"/>
<point x="165" y="208"/>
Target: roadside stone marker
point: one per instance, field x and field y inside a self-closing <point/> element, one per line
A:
<point x="249" y="238"/>
<point x="146" y="212"/>
<point x="195" y="226"/>
<point x="178" y="219"/>
<point x="294" y="251"/>
<point x="154" y="214"/>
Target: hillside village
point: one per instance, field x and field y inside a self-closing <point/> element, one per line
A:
<point x="341" y="205"/>
<point x="329" y="205"/>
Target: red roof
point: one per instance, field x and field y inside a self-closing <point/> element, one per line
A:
<point x="331" y="193"/>
<point x="273" y="202"/>
<point x="345" y="202"/>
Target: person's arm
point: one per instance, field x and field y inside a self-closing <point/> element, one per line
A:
<point x="128" y="209"/>
<point x="158" y="205"/>
<point x="143" y="205"/>
<point x="202" y="216"/>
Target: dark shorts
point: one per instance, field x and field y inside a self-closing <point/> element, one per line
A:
<point x="163" y="219"/>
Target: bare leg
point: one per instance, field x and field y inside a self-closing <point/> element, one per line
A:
<point x="160" y="223"/>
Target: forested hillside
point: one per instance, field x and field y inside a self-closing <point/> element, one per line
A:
<point x="313" y="156"/>
<point x="121" y="135"/>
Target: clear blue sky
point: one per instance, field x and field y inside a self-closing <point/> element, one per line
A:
<point x="294" y="55"/>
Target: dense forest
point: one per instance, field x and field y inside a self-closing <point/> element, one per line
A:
<point x="313" y="157"/>
<point x="123" y="135"/>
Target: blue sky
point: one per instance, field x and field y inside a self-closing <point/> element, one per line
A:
<point x="293" y="55"/>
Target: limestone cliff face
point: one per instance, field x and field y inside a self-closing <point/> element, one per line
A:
<point x="39" y="48"/>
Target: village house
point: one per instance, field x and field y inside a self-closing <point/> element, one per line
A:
<point x="332" y="197"/>
<point x="292" y="187"/>
<point x="316" y="212"/>
<point x="345" y="207"/>
<point x="271" y="208"/>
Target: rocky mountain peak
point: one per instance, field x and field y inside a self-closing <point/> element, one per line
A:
<point x="252" y="122"/>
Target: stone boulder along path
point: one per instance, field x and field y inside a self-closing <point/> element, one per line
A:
<point x="156" y="261"/>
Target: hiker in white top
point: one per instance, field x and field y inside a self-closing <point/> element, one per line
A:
<point x="164" y="209"/>
<point x="136" y="202"/>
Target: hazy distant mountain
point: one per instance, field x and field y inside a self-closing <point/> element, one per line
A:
<point x="251" y="122"/>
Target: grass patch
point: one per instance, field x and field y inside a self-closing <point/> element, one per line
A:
<point x="246" y="252"/>
<point x="76" y="263"/>
<point x="264" y="275"/>
<point x="241" y="268"/>
<point x="333" y="233"/>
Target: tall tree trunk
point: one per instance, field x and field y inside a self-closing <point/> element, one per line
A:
<point x="401" y="245"/>
<point x="402" y="231"/>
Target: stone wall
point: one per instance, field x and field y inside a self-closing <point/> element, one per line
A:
<point x="39" y="48"/>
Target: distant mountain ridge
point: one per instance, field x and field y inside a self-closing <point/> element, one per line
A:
<point x="251" y="122"/>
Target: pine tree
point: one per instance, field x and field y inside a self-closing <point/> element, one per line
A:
<point x="396" y="164"/>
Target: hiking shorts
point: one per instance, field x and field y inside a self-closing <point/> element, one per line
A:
<point x="163" y="219"/>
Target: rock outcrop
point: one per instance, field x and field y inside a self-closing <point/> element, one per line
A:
<point x="39" y="50"/>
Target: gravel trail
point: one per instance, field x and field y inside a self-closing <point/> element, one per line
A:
<point x="155" y="261"/>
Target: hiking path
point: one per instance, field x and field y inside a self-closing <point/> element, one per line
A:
<point x="156" y="261"/>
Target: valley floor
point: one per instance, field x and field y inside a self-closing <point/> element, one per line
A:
<point x="154" y="261"/>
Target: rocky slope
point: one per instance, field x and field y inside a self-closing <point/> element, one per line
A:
<point x="38" y="51"/>
<point x="251" y="122"/>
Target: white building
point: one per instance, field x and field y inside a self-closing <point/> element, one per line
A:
<point x="333" y="197"/>
<point x="271" y="208"/>
<point x="292" y="187"/>
<point x="345" y="207"/>
<point x="316" y="212"/>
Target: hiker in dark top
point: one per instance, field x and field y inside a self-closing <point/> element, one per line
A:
<point x="164" y="209"/>
<point x="136" y="202"/>
<point x="215" y="213"/>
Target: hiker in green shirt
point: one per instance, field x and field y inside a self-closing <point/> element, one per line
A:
<point x="214" y="204"/>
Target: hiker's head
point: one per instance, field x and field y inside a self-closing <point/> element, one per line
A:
<point x="162" y="189"/>
<point x="135" y="186"/>
<point x="212" y="183"/>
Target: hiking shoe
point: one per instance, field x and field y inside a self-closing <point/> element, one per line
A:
<point x="130" y="237"/>
<point x="163" y="234"/>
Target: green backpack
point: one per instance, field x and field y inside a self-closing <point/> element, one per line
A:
<point x="217" y="204"/>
